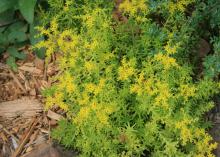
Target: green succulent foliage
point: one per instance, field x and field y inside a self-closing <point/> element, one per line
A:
<point x="128" y="87"/>
<point x="17" y="28"/>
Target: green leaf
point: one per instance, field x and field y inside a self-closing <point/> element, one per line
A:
<point x="3" y="39"/>
<point x="26" y="8"/>
<point x="1" y="50"/>
<point x="17" y="36"/>
<point x="13" y="52"/>
<point x="7" y="17"/>
<point x="11" y="62"/>
<point x="18" y="26"/>
<point x="7" y="4"/>
<point x="34" y="40"/>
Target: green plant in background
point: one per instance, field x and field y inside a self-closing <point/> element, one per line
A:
<point x="212" y="62"/>
<point x="127" y="86"/>
<point x="17" y="28"/>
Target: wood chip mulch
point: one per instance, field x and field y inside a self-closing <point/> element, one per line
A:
<point x="24" y="126"/>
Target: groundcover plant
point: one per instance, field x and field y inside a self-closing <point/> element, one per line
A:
<point x="125" y="79"/>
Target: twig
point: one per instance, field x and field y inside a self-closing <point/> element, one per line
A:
<point x="17" y="81"/>
<point x="26" y="137"/>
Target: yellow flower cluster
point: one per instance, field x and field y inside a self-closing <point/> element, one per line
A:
<point x="203" y="144"/>
<point x="171" y="49"/>
<point x="179" y="5"/>
<point x="167" y="61"/>
<point x="67" y="82"/>
<point x="187" y="91"/>
<point x="163" y="96"/>
<point x="57" y="99"/>
<point x="89" y="65"/>
<point x="185" y="133"/>
<point x="93" y="88"/>
<point x="67" y="41"/>
<point x="102" y="113"/>
<point x="82" y="115"/>
<point x="126" y="70"/>
<point x="133" y="7"/>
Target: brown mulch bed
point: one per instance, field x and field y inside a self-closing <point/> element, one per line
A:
<point x="24" y="126"/>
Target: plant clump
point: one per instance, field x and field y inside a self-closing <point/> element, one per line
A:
<point x="125" y="85"/>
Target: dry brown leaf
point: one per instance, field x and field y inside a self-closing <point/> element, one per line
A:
<point x="53" y="122"/>
<point x="33" y="92"/>
<point x="53" y="115"/>
<point x="32" y="70"/>
<point x="39" y="63"/>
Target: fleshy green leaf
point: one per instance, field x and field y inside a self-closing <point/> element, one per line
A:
<point x="13" y="52"/>
<point x="26" y="8"/>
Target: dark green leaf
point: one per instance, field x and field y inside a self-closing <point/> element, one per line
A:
<point x="11" y="62"/>
<point x="34" y="40"/>
<point x="2" y="29"/>
<point x="1" y="50"/>
<point x="13" y="52"/>
<point x="3" y="39"/>
<point x="18" y="26"/>
<point x="26" y="8"/>
<point x="17" y="36"/>
<point x="7" y="4"/>
<point x="7" y="17"/>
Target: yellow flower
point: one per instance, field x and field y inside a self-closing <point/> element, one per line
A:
<point x="186" y="135"/>
<point x="49" y="102"/>
<point x="187" y="91"/>
<point x="90" y="66"/>
<point x="82" y="115"/>
<point x="167" y="61"/>
<point x="126" y="70"/>
<point x="136" y="88"/>
<point x="84" y="100"/>
<point x="102" y="117"/>
<point x="164" y="95"/>
<point x="133" y="6"/>
<point x="90" y="87"/>
<point x="54" y="26"/>
<point x="150" y="87"/>
<point x="89" y="20"/>
<point x="125" y="73"/>
<point x="170" y="50"/>
<point x="67" y="82"/>
<point x="99" y="87"/>
<point x="180" y="5"/>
